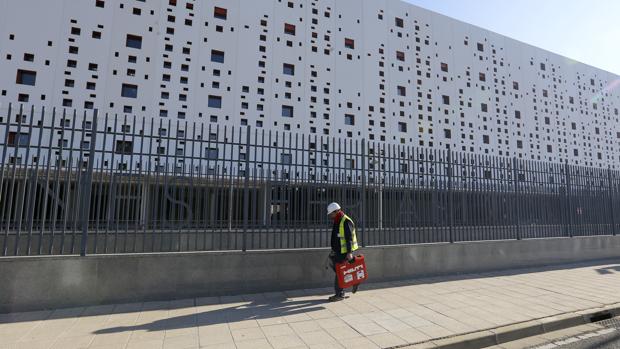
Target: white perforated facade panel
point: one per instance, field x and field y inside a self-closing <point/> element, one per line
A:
<point x="376" y="69"/>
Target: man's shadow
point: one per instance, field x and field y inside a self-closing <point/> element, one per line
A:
<point x="255" y="310"/>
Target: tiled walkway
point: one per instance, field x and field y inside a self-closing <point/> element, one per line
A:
<point x="378" y="316"/>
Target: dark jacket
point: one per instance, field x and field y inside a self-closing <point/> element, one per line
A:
<point x="348" y="228"/>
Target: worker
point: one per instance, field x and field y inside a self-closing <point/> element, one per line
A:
<point x="343" y="243"/>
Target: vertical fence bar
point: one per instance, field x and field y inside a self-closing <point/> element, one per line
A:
<point x="209" y="210"/>
<point x="450" y="198"/>
<point x="362" y="217"/>
<point x="46" y="199"/>
<point x="5" y="148"/>
<point x="130" y="197"/>
<point x="193" y="213"/>
<point x="79" y="183"/>
<point x="68" y="183"/>
<point x="24" y="185"/>
<point x="411" y="207"/>
<point x="34" y="185"/>
<point x="569" y="229"/>
<point x="516" y="197"/>
<point x="176" y="197"/>
<point x="100" y="209"/>
<point x="404" y="210"/>
<point x="611" y="191"/>
<point x="263" y="170"/>
<point x="230" y="183"/>
<point x="87" y="188"/>
<point x="246" y="192"/>
<point x="204" y="188"/>
<point x="12" y="185"/>
<point x="269" y="231"/>
<point x="141" y="190"/>
<point x="256" y="207"/>
<point x="110" y="182"/>
<point x="3" y="163"/>
<point x="295" y="193"/>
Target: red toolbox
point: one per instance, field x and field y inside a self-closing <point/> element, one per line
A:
<point x="351" y="273"/>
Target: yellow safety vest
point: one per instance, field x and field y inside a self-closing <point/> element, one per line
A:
<point x="343" y="241"/>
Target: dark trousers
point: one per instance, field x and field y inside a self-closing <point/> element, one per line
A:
<point x="337" y="258"/>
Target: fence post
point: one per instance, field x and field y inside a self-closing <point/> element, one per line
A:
<point x="515" y="207"/>
<point x="450" y="206"/>
<point x="363" y="210"/>
<point x="569" y="210"/>
<point x="87" y="185"/>
<point x="246" y="192"/>
<point x="611" y="192"/>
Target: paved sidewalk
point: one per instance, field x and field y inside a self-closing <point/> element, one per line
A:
<point x="378" y="316"/>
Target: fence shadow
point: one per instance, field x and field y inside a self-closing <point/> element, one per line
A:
<point x="609" y="269"/>
<point x="256" y="310"/>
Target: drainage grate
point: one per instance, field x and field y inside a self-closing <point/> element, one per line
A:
<point x="611" y="322"/>
<point x="598" y="317"/>
<point x="608" y="337"/>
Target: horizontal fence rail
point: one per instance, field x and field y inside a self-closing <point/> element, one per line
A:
<point x="83" y="183"/>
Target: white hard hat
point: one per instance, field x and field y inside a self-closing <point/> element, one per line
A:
<point x="333" y="207"/>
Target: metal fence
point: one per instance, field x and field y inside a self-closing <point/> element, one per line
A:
<point x="87" y="184"/>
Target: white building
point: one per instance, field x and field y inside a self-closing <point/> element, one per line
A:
<point x="382" y="70"/>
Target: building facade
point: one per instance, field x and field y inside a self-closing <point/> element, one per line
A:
<point x="380" y="70"/>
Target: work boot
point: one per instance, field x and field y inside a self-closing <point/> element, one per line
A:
<point x="336" y="298"/>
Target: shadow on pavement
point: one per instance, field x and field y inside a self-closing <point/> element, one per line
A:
<point x="254" y="310"/>
<point x="608" y="269"/>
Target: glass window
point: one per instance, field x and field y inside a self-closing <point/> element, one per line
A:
<point x="349" y="43"/>
<point x="287" y="111"/>
<point x="16" y="140"/>
<point x="124" y="147"/>
<point x="220" y="13"/>
<point x="211" y="153"/>
<point x="26" y="77"/>
<point x="215" y="102"/>
<point x="349" y="119"/>
<point x="129" y="91"/>
<point x="217" y="56"/>
<point x="289" y="29"/>
<point x="288" y="69"/>
<point x="286" y="159"/>
<point x="134" y="41"/>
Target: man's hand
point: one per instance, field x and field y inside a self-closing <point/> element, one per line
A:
<point x="349" y="256"/>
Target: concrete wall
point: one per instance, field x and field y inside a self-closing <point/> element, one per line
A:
<point x="29" y="283"/>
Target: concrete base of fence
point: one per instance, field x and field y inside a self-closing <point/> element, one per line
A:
<point x="33" y="283"/>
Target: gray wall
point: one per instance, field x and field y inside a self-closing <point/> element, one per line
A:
<point x="29" y="283"/>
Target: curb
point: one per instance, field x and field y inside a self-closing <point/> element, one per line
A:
<point x="509" y="333"/>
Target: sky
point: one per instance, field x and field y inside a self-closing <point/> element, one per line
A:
<point x="585" y="30"/>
